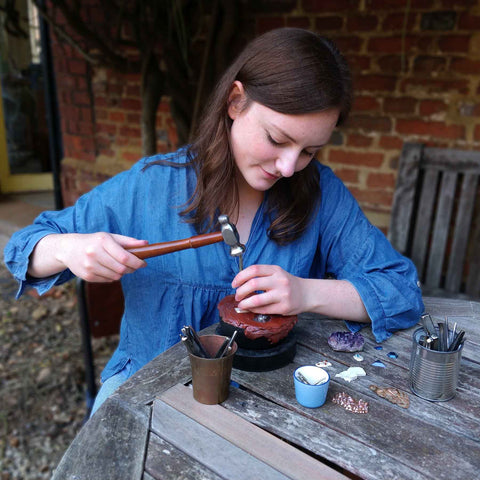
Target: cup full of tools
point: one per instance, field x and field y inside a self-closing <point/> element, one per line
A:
<point x="435" y="360"/>
<point x="211" y="359"/>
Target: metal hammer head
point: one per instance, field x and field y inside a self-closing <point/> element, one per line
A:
<point x="230" y="236"/>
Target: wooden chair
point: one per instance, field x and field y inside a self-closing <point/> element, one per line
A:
<point x="436" y="218"/>
<point x="101" y="308"/>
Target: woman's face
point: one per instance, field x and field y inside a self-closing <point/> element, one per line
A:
<point x="268" y="145"/>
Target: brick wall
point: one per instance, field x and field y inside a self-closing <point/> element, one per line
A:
<point x="416" y="67"/>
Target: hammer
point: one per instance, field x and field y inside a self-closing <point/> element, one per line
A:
<point x="228" y="233"/>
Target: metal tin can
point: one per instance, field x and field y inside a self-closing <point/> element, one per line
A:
<point x="433" y="374"/>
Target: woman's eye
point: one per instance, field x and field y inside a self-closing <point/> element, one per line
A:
<point x="272" y="141"/>
<point x="308" y="154"/>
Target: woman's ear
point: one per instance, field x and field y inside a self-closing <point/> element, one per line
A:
<point x="236" y="99"/>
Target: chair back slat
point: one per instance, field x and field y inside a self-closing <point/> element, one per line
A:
<point x="424" y="220"/>
<point x="473" y="279"/>
<point x="404" y="196"/>
<point x="440" y="230"/>
<point x="436" y="217"/>
<point x="460" y="235"/>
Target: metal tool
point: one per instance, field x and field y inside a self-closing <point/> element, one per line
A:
<point x="232" y="239"/>
<point x="440" y="338"/>
<point x="228" y="234"/>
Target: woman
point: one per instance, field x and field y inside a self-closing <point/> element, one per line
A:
<point x="308" y="245"/>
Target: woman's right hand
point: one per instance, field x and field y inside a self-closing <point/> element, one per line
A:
<point x="95" y="257"/>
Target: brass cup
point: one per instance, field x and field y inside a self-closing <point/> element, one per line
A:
<point x="211" y="376"/>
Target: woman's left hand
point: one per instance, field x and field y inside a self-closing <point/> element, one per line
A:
<point x="282" y="293"/>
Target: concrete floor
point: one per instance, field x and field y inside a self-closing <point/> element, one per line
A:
<point x="19" y="210"/>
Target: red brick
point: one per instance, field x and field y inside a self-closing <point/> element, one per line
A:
<point x="130" y="132"/>
<point x="389" y="142"/>
<point x="101" y="101"/>
<point x="429" y="86"/>
<point x="389" y="4"/>
<point x="81" y="98"/>
<point x="364" y="103"/>
<point x="131" y="156"/>
<point x="133" y="91"/>
<point x="454" y="43"/>
<point x="370" y="123"/>
<point x="106" y="128"/>
<point x="131" y="104"/>
<point x="395" y="21"/>
<point x="450" y="4"/>
<point x="133" y="118"/>
<point x="372" y="197"/>
<point x="399" y="105"/>
<point x="436" y="129"/>
<point x="428" y="64"/>
<point x="84" y="128"/>
<point x="465" y="65"/>
<point x="355" y="158"/>
<point x="298" y="22"/>
<point x="358" y="63"/>
<point x="330" y="5"/>
<point x="328" y="23"/>
<point x="388" y="44"/>
<point x="358" y="140"/>
<point x="361" y="23"/>
<point x="269" y="6"/>
<point x="117" y="117"/>
<point x="100" y="114"/>
<point x="372" y="83"/>
<point x="77" y="67"/>
<point x="390" y="63"/>
<point x="348" y="44"/>
<point x="430" y="107"/>
<point x="264" y="24"/>
<point x="476" y="133"/>
<point x="347" y="175"/>
<point x="467" y="21"/>
<point x="380" y="180"/>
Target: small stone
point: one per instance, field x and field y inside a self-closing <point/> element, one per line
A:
<point x="378" y="347"/>
<point x="392" y="355"/>
<point x="358" y="357"/>
<point x="43" y="375"/>
<point x="378" y="363"/>
<point x="393" y="395"/>
<point x="349" y="403"/>
<point x="351" y="373"/>
<point x="346" y="341"/>
<point x="39" y="312"/>
<point x="323" y="364"/>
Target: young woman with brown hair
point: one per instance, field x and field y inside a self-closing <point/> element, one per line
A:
<point x="308" y="245"/>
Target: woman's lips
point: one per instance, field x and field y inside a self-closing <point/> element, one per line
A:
<point x="270" y="175"/>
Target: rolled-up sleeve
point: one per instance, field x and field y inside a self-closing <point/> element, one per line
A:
<point x="358" y="252"/>
<point x="97" y="210"/>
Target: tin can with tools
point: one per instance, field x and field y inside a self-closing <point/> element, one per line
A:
<point x="433" y="374"/>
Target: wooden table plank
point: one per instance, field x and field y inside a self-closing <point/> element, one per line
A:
<point x="214" y="452"/>
<point x="327" y="443"/>
<point x="111" y="445"/>
<point x="267" y="448"/>
<point x="166" y="462"/>
<point x="414" y="434"/>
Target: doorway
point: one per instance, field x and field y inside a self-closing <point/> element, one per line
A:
<point x="27" y="136"/>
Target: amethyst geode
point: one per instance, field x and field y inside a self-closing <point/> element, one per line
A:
<point x="346" y="341"/>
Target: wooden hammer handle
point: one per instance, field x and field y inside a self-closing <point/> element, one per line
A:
<point x="156" y="249"/>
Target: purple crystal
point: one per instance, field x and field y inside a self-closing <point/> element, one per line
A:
<point x="346" y="341"/>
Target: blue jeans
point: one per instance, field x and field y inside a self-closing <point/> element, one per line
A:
<point x="110" y="385"/>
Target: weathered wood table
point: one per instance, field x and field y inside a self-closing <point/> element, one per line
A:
<point x="153" y="429"/>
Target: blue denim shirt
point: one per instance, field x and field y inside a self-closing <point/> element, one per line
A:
<point x="185" y="287"/>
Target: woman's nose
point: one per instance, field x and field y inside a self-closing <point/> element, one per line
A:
<point x="285" y="163"/>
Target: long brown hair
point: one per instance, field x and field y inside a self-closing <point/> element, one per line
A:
<point x="291" y="71"/>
